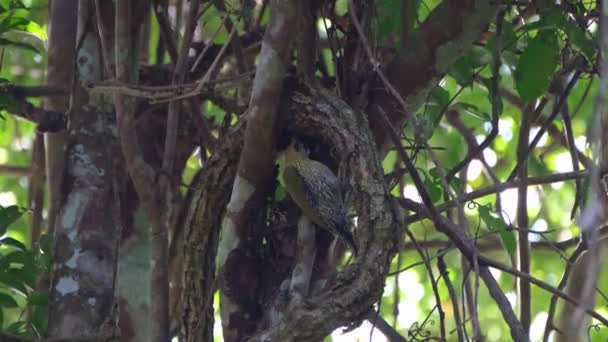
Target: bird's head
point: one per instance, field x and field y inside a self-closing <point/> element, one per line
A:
<point x="296" y="150"/>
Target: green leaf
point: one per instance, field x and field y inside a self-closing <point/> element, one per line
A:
<point x="467" y="108"/>
<point x="12" y="283"/>
<point x="458" y="185"/>
<point x="579" y="38"/>
<point x="38" y="298"/>
<point x="496" y="223"/>
<point x="9" y="215"/>
<point x="16" y="327"/>
<point x="441" y="96"/>
<point x="9" y="241"/>
<point x="536" y="65"/>
<point x="47" y="244"/>
<point x="433" y="187"/>
<point x="39" y="319"/>
<point x="14" y="20"/>
<point x="20" y="45"/>
<point x="26" y="275"/>
<point x="7" y="301"/>
<point x="388" y="17"/>
<point x="279" y="193"/>
<point x="435" y="174"/>
<point x="463" y="71"/>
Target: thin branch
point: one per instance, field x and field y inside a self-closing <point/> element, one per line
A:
<point x="36" y="189"/>
<point x="549" y="325"/>
<point x="429" y="271"/>
<point x="464" y="244"/>
<point x="379" y="322"/>
<point x="578" y="195"/>
<point x="166" y="32"/>
<point x="556" y="110"/>
<point x="489" y="190"/>
<point x="143" y="176"/>
<point x="495" y="100"/>
<point x="15" y="170"/>
<point x="443" y="269"/>
<point x="541" y="284"/>
<point x="523" y="243"/>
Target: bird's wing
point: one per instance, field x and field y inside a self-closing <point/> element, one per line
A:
<point x="320" y="187"/>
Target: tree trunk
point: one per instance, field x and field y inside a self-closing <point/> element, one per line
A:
<point x="86" y="228"/>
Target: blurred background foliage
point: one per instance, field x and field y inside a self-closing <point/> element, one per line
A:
<point x="531" y="55"/>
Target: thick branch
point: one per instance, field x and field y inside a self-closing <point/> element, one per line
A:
<point x="430" y="51"/>
<point x="255" y="170"/>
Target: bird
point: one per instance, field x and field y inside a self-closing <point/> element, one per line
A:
<point x="317" y="191"/>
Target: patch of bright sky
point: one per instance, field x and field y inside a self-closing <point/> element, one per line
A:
<point x="592" y="27"/>
<point x="359" y="334"/>
<point x="496" y="273"/>
<point x="537" y="328"/>
<point x="505" y="128"/>
<point x="488" y="153"/>
<point x="539" y="226"/>
<point x="508" y="200"/>
<point x="217" y="326"/>
<point x="562" y="162"/>
<point x="580" y="142"/>
<point x="512" y="297"/>
<point x="410" y="192"/>
<point x="321" y="27"/>
<point x="474" y="170"/>
<point x="490" y="156"/>
<point x="7" y="198"/>
<point x="543" y="139"/>
<point x="412" y="292"/>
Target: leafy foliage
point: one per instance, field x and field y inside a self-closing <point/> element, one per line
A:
<point x="536" y="55"/>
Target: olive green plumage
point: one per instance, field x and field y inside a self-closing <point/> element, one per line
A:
<point x="316" y="190"/>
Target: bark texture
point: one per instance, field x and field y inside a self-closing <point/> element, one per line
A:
<point x="314" y="113"/>
<point x="83" y="267"/>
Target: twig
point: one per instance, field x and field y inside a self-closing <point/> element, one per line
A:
<point x="389" y="332"/>
<point x="554" y="178"/>
<point x="203" y="81"/>
<point x="495" y="100"/>
<point x="574" y="156"/>
<point x="562" y="284"/>
<point x="556" y="110"/>
<point x="101" y="30"/>
<point x="160" y="9"/>
<point x="541" y="284"/>
<point x="523" y="243"/>
<point x="429" y="271"/>
<point x="461" y="241"/>
<point x="36" y="189"/>
<point x="202" y="54"/>
<point x="15" y="170"/>
<point x="235" y="42"/>
<point x="443" y="270"/>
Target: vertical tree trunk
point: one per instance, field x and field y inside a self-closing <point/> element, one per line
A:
<point x="82" y="286"/>
<point x="62" y="42"/>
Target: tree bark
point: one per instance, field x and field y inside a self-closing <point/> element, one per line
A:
<point x="82" y="286"/>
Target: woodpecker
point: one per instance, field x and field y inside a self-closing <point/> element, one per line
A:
<point x="316" y="190"/>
